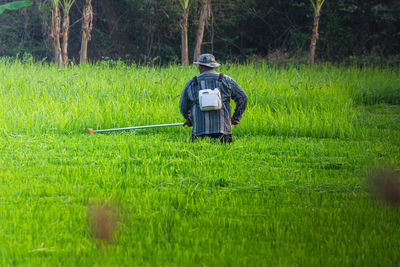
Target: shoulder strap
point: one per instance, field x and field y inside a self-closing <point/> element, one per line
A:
<point x="221" y="75"/>
<point x="195" y="81"/>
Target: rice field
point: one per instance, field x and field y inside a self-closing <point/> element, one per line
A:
<point x="292" y="190"/>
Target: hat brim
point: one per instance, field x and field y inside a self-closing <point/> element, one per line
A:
<point x="210" y="65"/>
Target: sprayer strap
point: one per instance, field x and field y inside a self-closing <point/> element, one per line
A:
<point x="221" y="75"/>
<point x="195" y="81"/>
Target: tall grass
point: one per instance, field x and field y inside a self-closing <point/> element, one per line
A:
<point x="289" y="191"/>
<point x="296" y="101"/>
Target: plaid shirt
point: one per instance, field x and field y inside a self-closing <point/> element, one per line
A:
<point x="215" y="121"/>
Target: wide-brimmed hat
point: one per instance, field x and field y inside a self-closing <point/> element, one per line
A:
<point x="207" y="60"/>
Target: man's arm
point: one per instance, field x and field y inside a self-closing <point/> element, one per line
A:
<point x="240" y="98"/>
<point x="185" y="103"/>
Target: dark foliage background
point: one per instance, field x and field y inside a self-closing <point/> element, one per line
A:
<point x="147" y="31"/>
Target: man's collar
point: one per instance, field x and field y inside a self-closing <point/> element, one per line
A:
<point x="208" y="71"/>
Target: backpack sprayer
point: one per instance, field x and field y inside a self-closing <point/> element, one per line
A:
<point x="91" y="131"/>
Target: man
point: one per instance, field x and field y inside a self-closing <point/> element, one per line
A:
<point x="213" y="123"/>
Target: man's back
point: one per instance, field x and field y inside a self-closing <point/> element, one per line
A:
<point x="215" y="121"/>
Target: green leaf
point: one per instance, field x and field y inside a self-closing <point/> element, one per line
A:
<point x="14" y="5"/>
<point x="184" y="3"/>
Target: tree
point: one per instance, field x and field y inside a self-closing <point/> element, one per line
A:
<point x="205" y="14"/>
<point x="184" y="31"/>
<point x="87" y="25"/>
<point x="56" y="31"/>
<point x="14" y="5"/>
<point x="67" y="4"/>
<point x="316" y="4"/>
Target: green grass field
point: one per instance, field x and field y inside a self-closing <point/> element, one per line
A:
<point x="290" y="191"/>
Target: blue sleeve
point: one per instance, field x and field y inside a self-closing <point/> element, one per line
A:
<point x="240" y="98"/>
<point x="185" y="103"/>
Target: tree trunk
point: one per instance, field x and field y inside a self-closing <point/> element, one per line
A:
<point x="204" y="16"/>
<point x="314" y="36"/>
<point x="184" y="36"/>
<point x="65" y="32"/>
<point x="55" y="34"/>
<point x="87" y="25"/>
